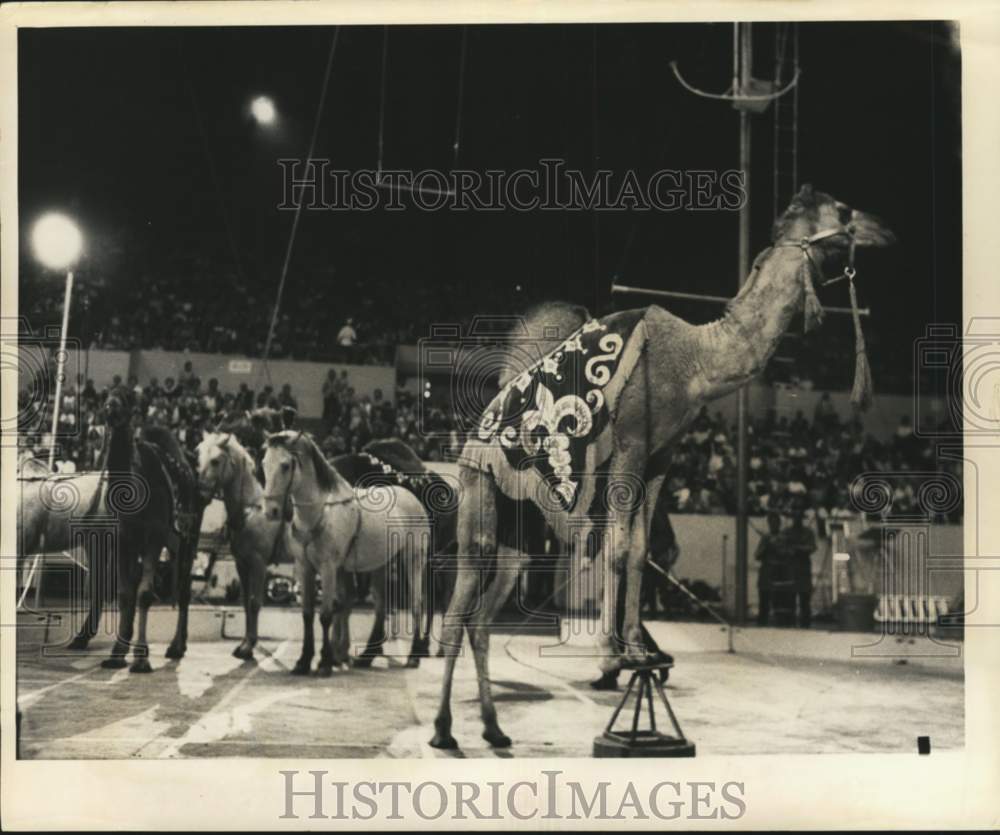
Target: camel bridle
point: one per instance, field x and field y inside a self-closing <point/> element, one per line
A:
<point x="861" y="392"/>
<point x="806" y="244"/>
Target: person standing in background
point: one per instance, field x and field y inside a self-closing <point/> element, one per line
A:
<point x="768" y="554"/>
<point x="800" y="543"/>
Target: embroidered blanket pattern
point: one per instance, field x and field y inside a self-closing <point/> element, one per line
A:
<point x="548" y="416"/>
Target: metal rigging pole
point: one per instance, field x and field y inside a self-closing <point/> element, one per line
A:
<point x="748" y="95"/>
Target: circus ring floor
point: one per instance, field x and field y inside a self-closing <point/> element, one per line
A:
<point x="782" y="691"/>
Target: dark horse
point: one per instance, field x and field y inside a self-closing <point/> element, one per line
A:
<point x="151" y="493"/>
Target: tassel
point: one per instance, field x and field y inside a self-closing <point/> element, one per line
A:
<point x="812" y="313"/>
<point x="861" y="394"/>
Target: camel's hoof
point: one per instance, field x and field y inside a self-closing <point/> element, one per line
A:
<point x="116" y="662"/>
<point x="301" y="667"/>
<point x="497" y="738"/>
<point x="243" y="652"/>
<point x="446" y="742"/>
<point x="175" y="652"/>
<point x="78" y="643"/>
<point x="324" y="670"/>
<point x="141" y="665"/>
<point x="363" y="662"/>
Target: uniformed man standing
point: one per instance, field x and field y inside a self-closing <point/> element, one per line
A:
<point x="800" y="542"/>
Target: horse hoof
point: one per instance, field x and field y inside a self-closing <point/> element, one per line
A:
<point x="446" y="742"/>
<point x="324" y="670"/>
<point x="497" y="738"/>
<point x="140" y="665"/>
<point x="114" y="663"/>
<point x="78" y="643"/>
<point x="175" y="652"/>
<point x="301" y="667"/>
<point x="413" y="662"/>
<point x="439" y="653"/>
<point x="608" y="681"/>
<point x="363" y="662"/>
<point x="242" y="652"/>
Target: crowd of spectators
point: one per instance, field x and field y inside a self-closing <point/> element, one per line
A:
<point x="813" y="462"/>
<point x="197" y="305"/>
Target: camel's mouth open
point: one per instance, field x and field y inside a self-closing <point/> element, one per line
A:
<point x="870" y="230"/>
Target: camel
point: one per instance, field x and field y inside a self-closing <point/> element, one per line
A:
<point x="647" y="374"/>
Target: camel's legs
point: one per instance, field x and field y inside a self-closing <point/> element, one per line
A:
<point x="140" y="652"/>
<point x="376" y="640"/>
<point x="479" y="636"/>
<point x="477" y="521"/>
<point x="636" y="563"/>
<point x="307" y="579"/>
<point x="415" y="555"/>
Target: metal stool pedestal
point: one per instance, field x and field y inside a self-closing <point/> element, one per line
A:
<point x="644" y="742"/>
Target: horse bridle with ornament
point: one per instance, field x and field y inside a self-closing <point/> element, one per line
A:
<point x="312" y="533"/>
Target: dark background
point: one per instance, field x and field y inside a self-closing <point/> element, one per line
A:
<point x="144" y="135"/>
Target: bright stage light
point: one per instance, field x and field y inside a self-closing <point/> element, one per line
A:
<point x="263" y="110"/>
<point x="56" y="240"/>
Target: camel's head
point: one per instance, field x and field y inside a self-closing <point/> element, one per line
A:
<point x="119" y="406"/>
<point x="813" y="212"/>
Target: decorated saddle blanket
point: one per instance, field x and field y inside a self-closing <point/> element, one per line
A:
<point x="551" y="426"/>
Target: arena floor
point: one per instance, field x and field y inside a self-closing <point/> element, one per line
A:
<point x="803" y="694"/>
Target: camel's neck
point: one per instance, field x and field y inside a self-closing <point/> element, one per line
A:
<point x="241" y="491"/>
<point x="735" y="349"/>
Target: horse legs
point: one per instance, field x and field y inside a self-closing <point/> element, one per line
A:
<point x="477" y="522"/>
<point x="185" y="553"/>
<point x="332" y="603"/>
<point x="307" y="577"/>
<point x="376" y="639"/>
<point x="341" y="642"/>
<point x="96" y="576"/>
<point x="252" y="578"/>
<point x="127" y="590"/>
<point x="415" y="554"/>
<point x="140" y="652"/>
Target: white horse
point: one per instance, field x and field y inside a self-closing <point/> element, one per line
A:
<point x="335" y="526"/>
<point x="226" y="468"/>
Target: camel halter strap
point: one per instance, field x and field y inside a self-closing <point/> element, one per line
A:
<point x="861" y="393"/>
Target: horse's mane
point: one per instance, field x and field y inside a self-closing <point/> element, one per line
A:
<point x="539" y="330"/>
<point x="396" y="454"/>
<point x="164" y="439"/>
<point x="327" y="476"/>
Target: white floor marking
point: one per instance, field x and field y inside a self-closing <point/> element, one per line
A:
<point x="220" y="721"/>
<point x="28" y="699"/>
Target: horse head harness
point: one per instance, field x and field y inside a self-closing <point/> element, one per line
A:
<point x="306" y="538"/>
